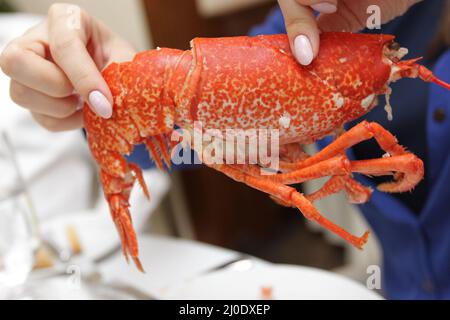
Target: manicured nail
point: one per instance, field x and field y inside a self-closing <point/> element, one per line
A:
<point x="303" y="50"/>
<point x="324" y="7"/>
<point x="100" y="104"/>
<point x="80" y="103"/>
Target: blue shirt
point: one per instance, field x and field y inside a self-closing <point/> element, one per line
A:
<point x="414" y="228"/>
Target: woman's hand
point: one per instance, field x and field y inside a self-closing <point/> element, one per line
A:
<point x="55" y="66"/>
<point x="303" y="27"/>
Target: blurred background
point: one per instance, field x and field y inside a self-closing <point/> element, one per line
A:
<point x="198" y="203"/>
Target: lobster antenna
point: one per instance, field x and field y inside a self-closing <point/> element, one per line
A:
<point x="428" y="76"/>
<point x="440" y="82"/>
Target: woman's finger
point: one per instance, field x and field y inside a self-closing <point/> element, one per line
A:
<point x="68" y="48"/>
<point x="40" y="103"/>
<point x="73" y="122"/>
<point x="322" y="6"/>
<point x="27" y="66"/>
<point x="302" y="30"/>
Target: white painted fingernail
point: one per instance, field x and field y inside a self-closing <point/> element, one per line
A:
<point x="324" y="7"/>
<point x="100" y="104"/>
<point x="303" y="50"/>
<point x="80" y="103"/>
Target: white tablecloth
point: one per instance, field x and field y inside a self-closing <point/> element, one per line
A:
<point x="167" y="262"/>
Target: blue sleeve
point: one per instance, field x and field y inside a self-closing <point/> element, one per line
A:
<point x="274" y="24"/>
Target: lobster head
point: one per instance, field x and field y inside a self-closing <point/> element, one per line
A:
<point x="361" y="67"/>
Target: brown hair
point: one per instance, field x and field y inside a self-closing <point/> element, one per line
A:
<point x="442" y="39"/>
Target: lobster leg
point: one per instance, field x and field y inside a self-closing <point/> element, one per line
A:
<point x="335" y="166"/>
<point x="291" y="153"/>
<point x="165" y="152"/>
<point x="410" y="166"/>
<point x="291" y="197"/>
<point x="356" y="192"/>
<point x="140" y="177"/>
<point x="154" y="153"/>
<point x="359" y="133"/>
<point x="159" y="151"/>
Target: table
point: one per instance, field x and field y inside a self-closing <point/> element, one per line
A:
<point x="180" y="269"/>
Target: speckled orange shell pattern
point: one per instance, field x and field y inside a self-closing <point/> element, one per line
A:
<point x="241" y="83"/>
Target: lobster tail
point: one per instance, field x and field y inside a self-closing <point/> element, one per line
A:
<point x="144" y="111"/>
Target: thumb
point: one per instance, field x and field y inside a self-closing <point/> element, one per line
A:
<point x="68" y="50"/>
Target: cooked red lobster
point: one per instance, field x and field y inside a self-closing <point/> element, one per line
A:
<point x="255" y="82"/>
